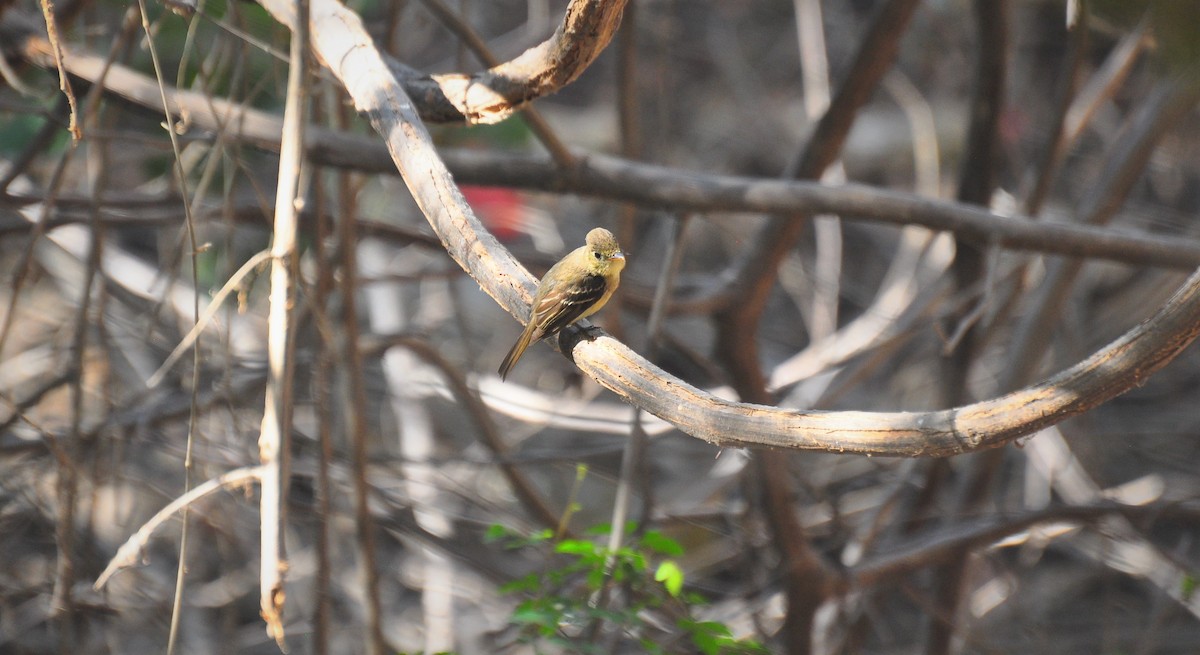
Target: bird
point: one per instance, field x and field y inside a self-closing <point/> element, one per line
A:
<point x="576" y="287"/>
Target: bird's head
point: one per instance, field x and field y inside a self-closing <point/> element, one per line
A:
<point x="605" y="253"/>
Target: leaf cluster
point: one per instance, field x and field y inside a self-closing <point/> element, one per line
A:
<point x="588" y="591"/>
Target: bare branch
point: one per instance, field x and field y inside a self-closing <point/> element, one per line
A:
<point x="274" y="441"/>
<point x="1113" y="370"/>
<point x="130" y="552"/>
<point x="492" y="95"/>
<point x="649" y="185"/>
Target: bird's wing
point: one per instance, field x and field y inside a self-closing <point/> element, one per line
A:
<point x="566" y="303"/>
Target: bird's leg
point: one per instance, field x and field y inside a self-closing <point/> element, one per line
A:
<point x="573" y="334"/>
<point x="590" y="331"/>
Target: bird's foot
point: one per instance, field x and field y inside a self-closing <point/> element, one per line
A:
<point x="591" y="332"/>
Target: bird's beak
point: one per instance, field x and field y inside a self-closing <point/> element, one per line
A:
<point x="618" y="255"/>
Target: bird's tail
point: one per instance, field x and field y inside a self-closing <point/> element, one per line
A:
<point x="518" y="349"/>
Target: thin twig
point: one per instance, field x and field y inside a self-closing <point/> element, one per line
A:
<point x="214" y="305"/>
<point x="130" y="553"/>
<point x="190" y="226"/>
<point x="64" y="84"/>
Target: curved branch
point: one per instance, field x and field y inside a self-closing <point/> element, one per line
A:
<point x="131" y="551"/>
<point x="1123" y="364"/>
<point x="492" y="95"/>
<point x="533" y="118"/>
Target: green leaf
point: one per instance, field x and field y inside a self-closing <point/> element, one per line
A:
<point x="530" y="582"/>
<point x="633" y="559"/>
<point x="595" y="578"/>
<point x="538" y="616"/>
<point x="650" y="647"/>
<point x="575" y="547"/>
<point x="695" y="599"/>
<point x="713" y="638"/>
<point x="708" y="636"/>
<point x="660" y="543"/>
<point x="671" y="576"/>
<point x="496" y="532"/>
<point x="1188" y="587"/>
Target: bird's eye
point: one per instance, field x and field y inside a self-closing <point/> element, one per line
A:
<point x="596" y="254"/>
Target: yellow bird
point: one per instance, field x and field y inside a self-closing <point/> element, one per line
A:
<point x="574" y="288"/>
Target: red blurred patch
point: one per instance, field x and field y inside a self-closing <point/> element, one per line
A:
<point x="503" y="211"/>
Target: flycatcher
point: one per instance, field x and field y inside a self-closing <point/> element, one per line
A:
<point x="574" y="288"/>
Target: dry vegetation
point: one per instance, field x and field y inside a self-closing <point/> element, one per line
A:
<point x="947" y="204"/>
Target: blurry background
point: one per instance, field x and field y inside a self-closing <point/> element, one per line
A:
<point x="1081" y="540"/>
